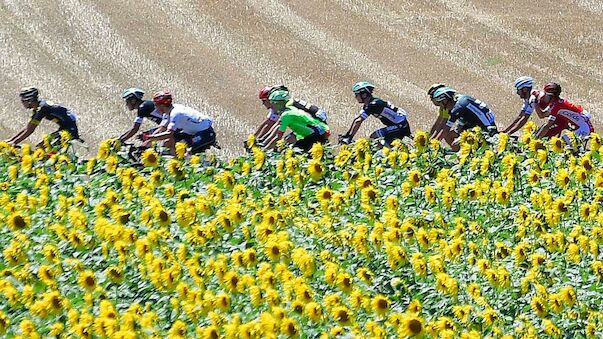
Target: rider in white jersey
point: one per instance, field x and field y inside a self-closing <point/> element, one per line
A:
<point x="182" y="123"/>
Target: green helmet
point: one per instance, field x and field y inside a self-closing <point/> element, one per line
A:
<point x="443" y="93"/>
<point x="363" y="86"/>
<point x="279" y="95"/>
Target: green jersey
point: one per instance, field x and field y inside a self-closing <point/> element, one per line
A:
<point x="301" y="123"/>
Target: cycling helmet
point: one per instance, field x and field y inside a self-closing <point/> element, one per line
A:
<point x="29" y="93"/>
<point x="363" y="86"/>
<point x="279" y="95"/>
<point x="132" y="93"/>
<point x="265" y="92"/>
<point x="552" y="88"/>
<point x="524" y="82"/>
<point x="434" y="88"/>
<point x="163" y="97"/>
<point x="444" y="93"/>
<point x="279" y="88"/>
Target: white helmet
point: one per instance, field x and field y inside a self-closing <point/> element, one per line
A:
<point x="524" y="82"/>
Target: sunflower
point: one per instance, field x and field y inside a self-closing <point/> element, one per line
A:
<point x="87" y="280"/>
<point x="222" y="301"/>
<point x="344" y="282"/>
<point x="317" y="151"/>
<point x="568" y="294"/>
<point x="414" y="178"/>
<point x="412" y="326"/>
<point x="289" y="327"/>
<point x="421" y="140"/>
<point x="162" y="216"/>
<point x="581" y="174"/>
<point x="315" y="170"/>
<point x="381" y="304"/>
<point x="273" y="250"/>
<point x="150" y="158"/>
<point x="16" y="221"/>
<point x="560" y="205"/>
<point x="180" y="150"/>
<point x="550" y="328"/>
<point x="538" y="306"/>
<point x="174" y="168"/>
<point x="503" y="195"/>
<point x="313" y="311"/>
<point x="115" y="274"/>
<point x="595" y="142"/>
<point x="557" y="144"/>
<point x="178" y="329"/>
<point x="342" y="315"/>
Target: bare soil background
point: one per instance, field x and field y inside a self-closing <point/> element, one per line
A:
<point x="216" y="55"/>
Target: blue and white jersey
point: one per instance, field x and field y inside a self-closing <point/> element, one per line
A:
<point x="471" y="112"/>
<point x="385" y="111"/>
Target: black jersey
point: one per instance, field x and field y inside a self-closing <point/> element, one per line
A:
<point x="53" y="112"/>
<point x="147" y="110"/>
<point x="472" y="112"/>
<point x="385" y="111"/>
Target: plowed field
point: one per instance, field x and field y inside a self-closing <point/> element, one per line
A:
<point x="215" y="55"/>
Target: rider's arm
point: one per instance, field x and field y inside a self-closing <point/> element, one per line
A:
<point x="168" y="133"/>
<point x="271" y="134"/>
<point x="544" y="129"/>
<point x="517" y="124"/>
<point x="130" y="133"/>
<point x="272" y="142"/>
<point x="437" y="127"/>
<point x="354" y="127"/>
<point x="264" y="129"/>
<point x="450" y="135"/>
<point x="27" y="131"/>
<point x="162" y="126"/>
<point x="278" y="135"/>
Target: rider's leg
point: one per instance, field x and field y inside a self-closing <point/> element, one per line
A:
<point x="307" y="142"/>
<point x="203" y="140"/>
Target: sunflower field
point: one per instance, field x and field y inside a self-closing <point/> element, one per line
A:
<point x="500" y="240"/>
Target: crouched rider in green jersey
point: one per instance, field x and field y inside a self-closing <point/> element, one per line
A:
<point x="306" y="128"/>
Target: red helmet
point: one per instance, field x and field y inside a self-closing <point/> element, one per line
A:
<point x="265" y="92"/>
<point x="162" y="97"/>
<point x="552" y="88"/>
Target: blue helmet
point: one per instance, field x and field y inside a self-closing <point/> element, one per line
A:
<point x="524" y="82"/>
<point x="444" y="93"/>
<point x="132" y="93"/>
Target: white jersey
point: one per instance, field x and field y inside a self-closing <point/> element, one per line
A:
<point x="186" y="120"/>
<point x="528" y="107"/>
<point x="272" y="115"/>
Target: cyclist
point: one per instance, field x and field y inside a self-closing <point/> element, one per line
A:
<point x="43" y="109"/>
<point x="466" y="111"/>
<point x="524" y="87"/>
<point x="313" y="110"/>
<point x="144" y="109"/>
<point x="181" y="123"/>
<point x="271" y="119"/>
<point x="392" y="117"/>
<point x="439" y="127"/>
<point x="562" y="115"/>
<point x="306" y="128"/>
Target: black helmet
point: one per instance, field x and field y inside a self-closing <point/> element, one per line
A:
<point x="29" y="93"/>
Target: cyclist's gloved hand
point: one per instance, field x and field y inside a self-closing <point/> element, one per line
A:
<point x="345" y="139"/>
